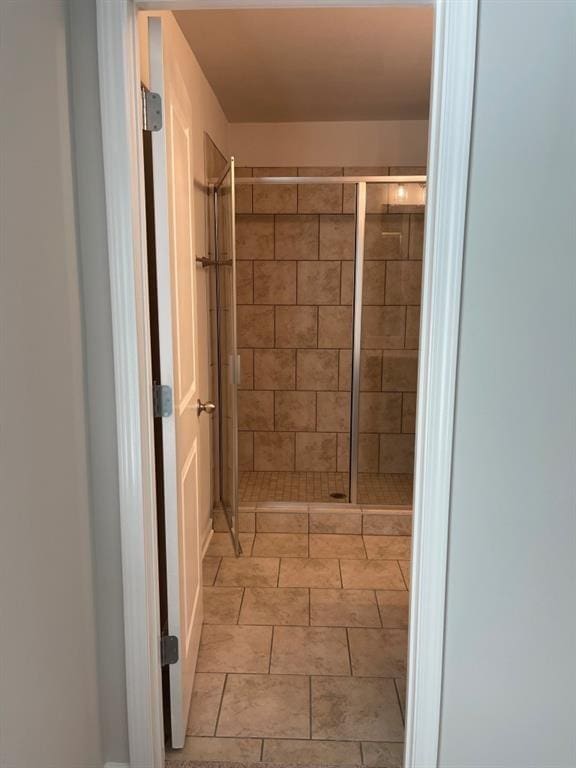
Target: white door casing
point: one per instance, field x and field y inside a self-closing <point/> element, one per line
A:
<point x="175" y="268"/>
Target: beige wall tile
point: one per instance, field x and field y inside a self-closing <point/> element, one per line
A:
<point x="335" y="327"/>
<point x="296" y="326"/>
<point x="317" y="369"/>
<point x="273" y="451"/>
<point x="319" y="198"/>
<point x="246" y="369"/>
<point x="255" y="326"/>
<point x="254" y="237"/>
<point x="403" y="282"/>
<point x="347" y="282"/>
<point x="376" y="194"/>
<point x="396" y="453"/>
<point x="343" y="452"/>
<point x="383" y="327"/>
<point x="380" y="412"/>
<point x="274" y="282"/>
<point x="370" y="370"/>
<point x="255" y="410"/>
<point x="399" y="371"/>
<point x="244" y="282"/>
<point x="345" y="370"/>
<point x="333" y="412"/>
<point x="368" y="452"/>
<point x="412" y="327"/>
<point x="274" y="368"/>
<point x="337" y="237"/>
<point x="335" y="522"/>
<point x="315" y="452"/>
<point x="245" y="451"/>
<point x="416" y="245"/>
<point x="282" y="522"/>
<point x="386" y="236"/>
<point x="318" y="282"/>
<point x="387" y="523"/>
<point x="296" y="237"/>
<point x="374" y="282"/>
<point x="295" y="411"/>
<point x="409" y="412"/>
<point x="275" y="198"/>
<point x="243" y="192"/>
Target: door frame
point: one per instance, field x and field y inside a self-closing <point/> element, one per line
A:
<point x="453" y="72"/>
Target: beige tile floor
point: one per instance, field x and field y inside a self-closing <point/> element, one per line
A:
<point x="385" y="489"/>
<point x="303" y="652"/>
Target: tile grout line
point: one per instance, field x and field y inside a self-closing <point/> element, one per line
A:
<point x="221" y="704"/>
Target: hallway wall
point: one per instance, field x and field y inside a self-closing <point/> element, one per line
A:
<point x="49" y="685"/>
<point x="510" y="670"/>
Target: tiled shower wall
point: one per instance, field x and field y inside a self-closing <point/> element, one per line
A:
<point x="295" y="251"/>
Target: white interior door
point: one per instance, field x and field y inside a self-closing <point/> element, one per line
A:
<point x="175" y="265"/>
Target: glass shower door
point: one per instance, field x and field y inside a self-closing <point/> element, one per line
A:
<point x="228" y="361"/>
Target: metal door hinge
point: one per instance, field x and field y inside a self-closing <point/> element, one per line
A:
<point x="168" y="650"/>
<point x="151" y="110"/>
<point x="162" y="400"/>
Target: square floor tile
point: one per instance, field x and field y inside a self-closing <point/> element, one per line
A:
<point x="378" y="652"/>
<point x="388" y="547"/>
<point x="248" y="572"/>
<point x="271" y="706"/>
<point x="305" y="572"/>
<point x="210" y="567"/>
<point x="281" y="545"/>
<point x="275" y="606"/>
<point x="222" y="604"/>
<point x="310" y="651"/>
<point x="343" y="608"/>
<point x="336" y="545"/>
<point x="380" y="754"/>
<point x="394" y="606"/>
<point x="401" y="688"/>
<point x="357" y="708"/>
<point x="220" y="750"/>
<point x="371" y="574"/>
<point x="205" y="704"/>
<point x="234" y="649"/>
<point x="405" y="568"/>
<point x="221" y="545"/>
<point x="311" y="752"/>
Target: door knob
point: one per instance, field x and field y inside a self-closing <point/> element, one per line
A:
<point x="206" y="407"/>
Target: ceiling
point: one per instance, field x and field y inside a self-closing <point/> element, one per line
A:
<point x="315" y="64"/>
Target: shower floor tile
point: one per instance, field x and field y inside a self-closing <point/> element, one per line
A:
<point x="373" y="488"/>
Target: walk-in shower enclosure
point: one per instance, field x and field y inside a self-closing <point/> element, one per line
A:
<point x="317" y="286"/>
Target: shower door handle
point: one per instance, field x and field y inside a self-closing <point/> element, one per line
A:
<point x="206" y="407"/>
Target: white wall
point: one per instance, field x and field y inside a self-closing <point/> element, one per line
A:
<point x="510" y="663"/>
<point x="401" y="142"/>
<point x="209" y="118"/>
<point x="48" y="688"/>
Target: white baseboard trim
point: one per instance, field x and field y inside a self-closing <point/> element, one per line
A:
<point x="116" y="765"/>
<point x="207" y="538"/>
